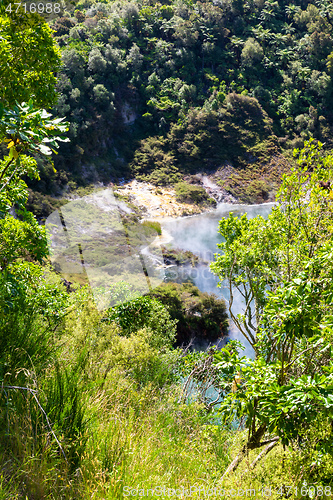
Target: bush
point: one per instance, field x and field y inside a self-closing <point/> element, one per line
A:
<point x="156" y="226"/>
<point x="149" y="313"/>
<point x="190" y="193"/>
<point x="198" y="314"/>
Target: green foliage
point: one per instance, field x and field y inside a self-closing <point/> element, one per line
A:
<point x="109" y="388"/>
<point x="28" y="59"/>
<point x="190" y="193"/>
<point x="25" y="321"/>
<point x="137" y="88"/>
<point x="252" y="52"/>
<point x="31" y="307"/>
<point x="33" y="300"/>
<point x="65" y="405"/>
<point x="21" y="239"/>
<point x="145" y="312"/>
<point x="154" y="225"/>
<point x="24" y="129"/>
<point x="197" y="313"/>
<point x="282" y="267"/>
<point x="206" y="138"/>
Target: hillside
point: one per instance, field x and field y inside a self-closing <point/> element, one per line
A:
<point x="104" y="393"/>
<point x="159" y="90"/>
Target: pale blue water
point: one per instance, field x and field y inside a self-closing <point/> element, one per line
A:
<point x="199" y="234"/>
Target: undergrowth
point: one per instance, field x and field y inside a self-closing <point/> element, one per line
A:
<point x="102" y="420"/>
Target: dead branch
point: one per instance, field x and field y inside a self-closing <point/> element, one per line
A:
<point x="253" y="443"/>
<point x="34" y="392"/>
<point x="264" y="452"/>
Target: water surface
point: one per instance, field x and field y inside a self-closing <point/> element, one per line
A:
<point x="199" y="234"/>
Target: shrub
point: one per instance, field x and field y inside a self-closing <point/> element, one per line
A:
<point x="156" y="226"/>
<point x="190" y="193"/>
<point x="198" y="313"/>
<point x="149" y="313"/>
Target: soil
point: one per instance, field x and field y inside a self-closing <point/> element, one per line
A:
<point x="160" y="202"/>
<point x="156" y="202"/>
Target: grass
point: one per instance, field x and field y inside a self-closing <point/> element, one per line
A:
<point x="139" y="440"/>
<point x="120" y="427"/>
<point x="154" y="225"/>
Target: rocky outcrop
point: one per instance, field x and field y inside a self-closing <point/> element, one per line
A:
<point x="218" y="193"/>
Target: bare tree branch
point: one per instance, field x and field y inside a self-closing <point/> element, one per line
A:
<point x="34" y="392"/>
<point x="264" y="452"/>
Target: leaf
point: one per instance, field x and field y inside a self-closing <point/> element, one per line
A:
<point x="45" y="150"/>
<point x="23" y="136"/>
<point x="13" y="153"/>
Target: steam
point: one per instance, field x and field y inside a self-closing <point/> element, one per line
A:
<point x="199" y="235"/>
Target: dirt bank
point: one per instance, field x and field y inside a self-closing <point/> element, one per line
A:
<point x="160" y="202"/>
<point x="156" y="202"/>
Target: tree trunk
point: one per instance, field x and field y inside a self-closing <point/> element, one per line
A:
<point x="253" y="443"/>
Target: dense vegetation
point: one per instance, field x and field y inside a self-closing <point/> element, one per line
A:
<point x="162" y="89"/>
<point x="97" y="403"/>
<point x="198" y="314"/>
<point x="283" y="268"/>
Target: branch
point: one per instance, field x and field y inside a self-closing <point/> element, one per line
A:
<point x="299" y="355"/>
<point x="273" y="348"/>
<point x="6" y="168"/>
<point x="237" y="323"/>
<point x="213" y="403"/>
<point x="248" y="312"/>
<point x="256" y="306"/>
<point x="206" y="382"/>
<point x="264" y="452"/>
<point x="313" y="245"/>
<point x="33" y="392"/>
<point x="302" y="222"/>
<point x="251" y="340"/>
<point x="273" y="440"/>
<point x="234" y="464"/>
<point x="252" y="444"/>
<point x="10" y="178"/>
<point x="185" y="386"/>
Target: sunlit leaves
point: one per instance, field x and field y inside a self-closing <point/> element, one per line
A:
<point x="21" y="239"/>
<point x="25" y="129"/>
<point x="28" y="128"/>
<point x="283" y="266"/>
<point x="28" y="59"/>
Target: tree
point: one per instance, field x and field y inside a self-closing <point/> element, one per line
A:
<point x="28" y="59"/>
<point x="252" y="52"/>
<point x="73" y="62"/>
<point x="326" y="10"/>
<point x="101" y="95"/>
<point x="282" y="267"/>
<point x="135" y="58"/>
<point x="25" y="129"/>
<point x="96" y="62"/>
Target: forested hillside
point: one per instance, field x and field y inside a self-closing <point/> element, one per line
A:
<point x="101" y="401"/>
<point x="158" y="90"/>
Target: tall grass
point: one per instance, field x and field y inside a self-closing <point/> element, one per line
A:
<point x="153" y="225"/>
<point x="117" y="424"/>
